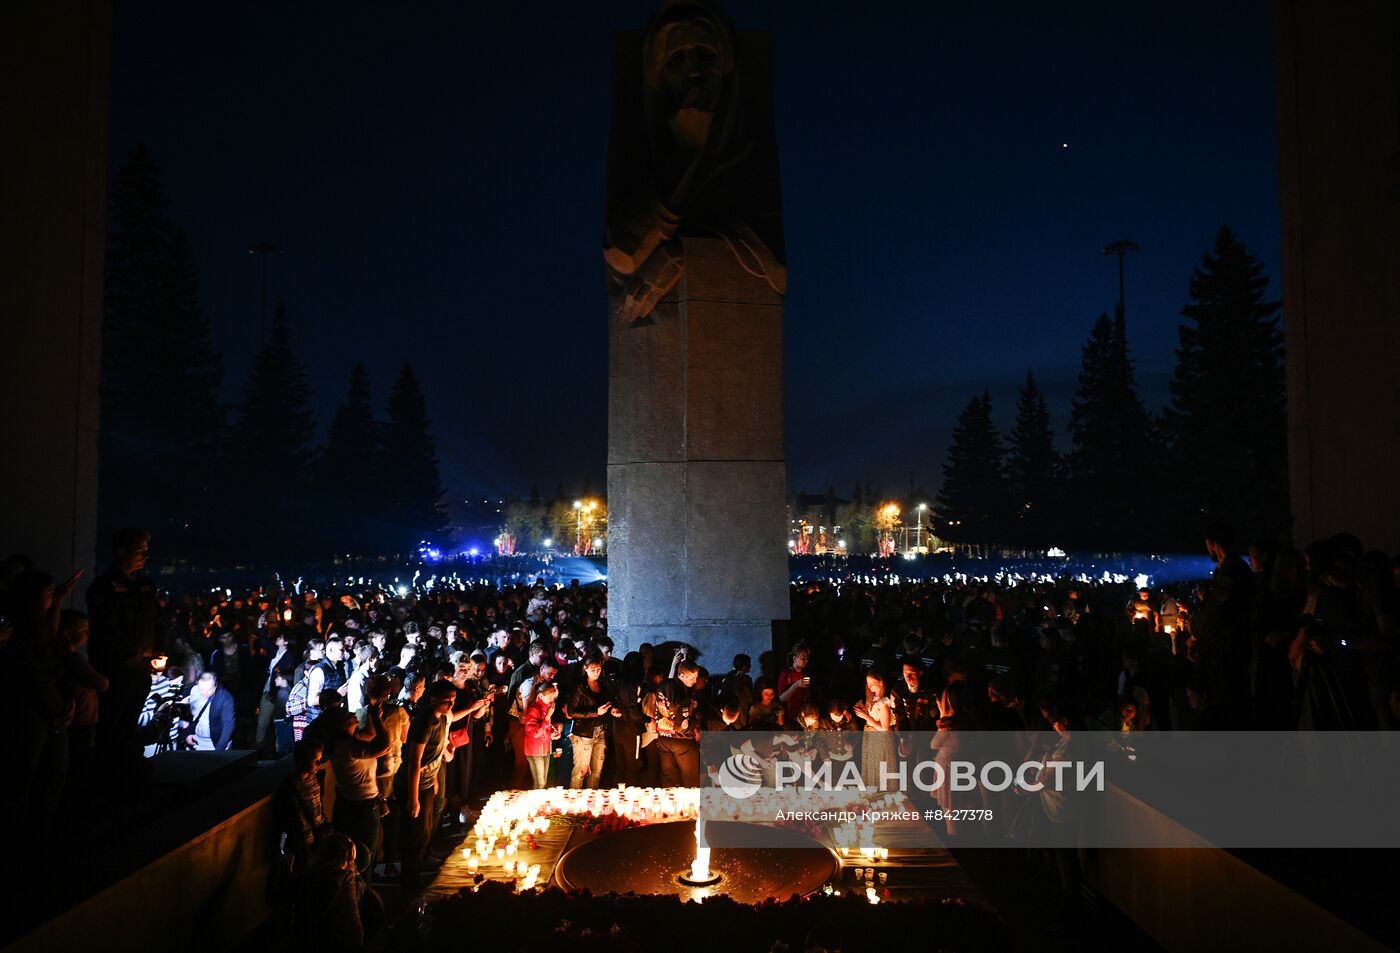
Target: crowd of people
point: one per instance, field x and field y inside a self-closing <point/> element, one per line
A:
<point x="400" y="709"/>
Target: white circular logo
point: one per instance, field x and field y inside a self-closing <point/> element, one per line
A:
<point x="739" y="776"/>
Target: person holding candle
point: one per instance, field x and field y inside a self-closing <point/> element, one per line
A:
<point x="877" y="711"/>
<point x="540" y="731"/>
<point x="795" y="682"/>
<point x="767" y="712"/>
<point x="839" y="720"/>
<point x="592" y="705"/>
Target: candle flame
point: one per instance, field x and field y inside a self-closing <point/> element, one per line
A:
<point x="700" y="866"/>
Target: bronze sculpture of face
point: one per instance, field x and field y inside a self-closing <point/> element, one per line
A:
<point x="689" y="58"/>
<point x="692" y="73"/>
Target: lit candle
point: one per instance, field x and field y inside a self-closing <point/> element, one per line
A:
<point x="500" y="853"/>
<point x="472" y="865"/>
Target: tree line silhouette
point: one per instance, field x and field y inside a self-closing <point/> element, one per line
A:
<point x="247" y="483"/>
<point x="1132" y="479"/>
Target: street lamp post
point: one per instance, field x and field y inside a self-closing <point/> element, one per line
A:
<point x="263" y="249"/>
<point x="1121" y="248"/>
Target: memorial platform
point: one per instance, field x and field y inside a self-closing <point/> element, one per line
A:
<point x="525" y="831"/>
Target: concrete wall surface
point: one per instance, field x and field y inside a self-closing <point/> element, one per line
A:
<point x="1338" y="107"/>
<point x="53" y="112"/>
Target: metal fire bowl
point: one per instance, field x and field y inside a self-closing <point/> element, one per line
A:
<point x="650" y="859"/>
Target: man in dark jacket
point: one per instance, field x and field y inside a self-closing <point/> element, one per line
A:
<point x="675" y="710"/>
<point x="1223" y="627"/>
<point x="124" y="619"/>
<point x="211" y="716"/>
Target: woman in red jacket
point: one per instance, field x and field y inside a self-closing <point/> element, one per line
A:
<point x="540" y="731"/>
<point x="794" y="683"/>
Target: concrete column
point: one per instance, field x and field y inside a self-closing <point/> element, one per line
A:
<point x="696" y="475"/>
<point x="1338" y="103"/>
<point x="54" y="60"/>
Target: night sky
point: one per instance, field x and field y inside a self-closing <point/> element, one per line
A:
<point x="434" y="173"/>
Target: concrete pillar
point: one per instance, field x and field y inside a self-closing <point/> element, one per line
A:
<point x="697" y="542"/>
<point x="54" y="59"/>
<point x="696" y="476"/>
<point x="1338" y="104"/>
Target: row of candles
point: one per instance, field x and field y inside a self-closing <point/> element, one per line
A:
<point x="869" y="853"/>
<point x="527" y="874"/>
<point x="510" y="816"/>
<point x="507" y="809"/>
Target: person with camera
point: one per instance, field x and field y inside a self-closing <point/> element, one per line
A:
<point x="209" y="726"/>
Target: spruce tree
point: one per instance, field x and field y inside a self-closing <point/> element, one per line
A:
<point x="972" y="503"/>
<point x="414" y="504"/>
<point x="1227" y="419"/>
<point x="1109" y="465"/>
<point x="275" y="429"/>
<point x="348" y="474"/>
<point x="1032" y="470"/>
<point x="162" y="422"/>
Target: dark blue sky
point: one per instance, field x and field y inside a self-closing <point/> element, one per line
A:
<point x="434" y="173"/>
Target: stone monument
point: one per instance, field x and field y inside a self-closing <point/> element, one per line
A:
<point x="696" y="276"/>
